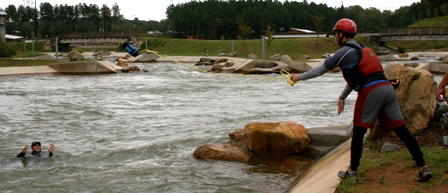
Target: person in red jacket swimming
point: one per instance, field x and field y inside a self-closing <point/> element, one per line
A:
<point x="363" y="72"/>
<point x="36" y="150"/>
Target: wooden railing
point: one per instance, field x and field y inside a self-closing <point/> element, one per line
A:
<point x="94" y="35"/>
<point x="412" y="31"/>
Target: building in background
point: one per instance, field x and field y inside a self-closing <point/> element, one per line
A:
<point x="299" y="33"/>
<point x="2" y="25"/>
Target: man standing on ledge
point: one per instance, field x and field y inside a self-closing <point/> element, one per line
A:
<point x="36" y="150"/>
<point x="363" y="72"/>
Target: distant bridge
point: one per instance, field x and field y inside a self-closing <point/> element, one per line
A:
<point x="66" y="41"/>
<point x="409" y="34"/>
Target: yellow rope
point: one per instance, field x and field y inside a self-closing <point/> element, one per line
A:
<point x="284" y="72"/>
<point x="288" y="77"/>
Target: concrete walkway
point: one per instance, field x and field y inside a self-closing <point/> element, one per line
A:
<point x="26" y="70"/>
<point x="322" y="176"/>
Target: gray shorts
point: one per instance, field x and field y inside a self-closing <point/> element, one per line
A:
<point x="378" y="101"/>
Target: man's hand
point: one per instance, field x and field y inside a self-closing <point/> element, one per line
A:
<point x="440" y="94"/>
<point x="341" y="104"/>
<point x="51" y="148"/>
<point x="25" y="149"/>
<point x="295" y="77"/>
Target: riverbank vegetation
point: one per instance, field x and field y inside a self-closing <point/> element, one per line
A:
<point x="212" y="20"/>
<point x="295" y="48"/>
<point x="396" y="171"/>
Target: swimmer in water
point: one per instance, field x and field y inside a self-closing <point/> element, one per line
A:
<point x="35" y="150"/>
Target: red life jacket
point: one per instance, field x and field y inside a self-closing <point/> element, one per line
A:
<point x="368" y="69"/>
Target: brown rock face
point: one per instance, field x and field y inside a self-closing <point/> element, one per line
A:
<point x="76" y="56"/>
<point x="276" y="139"/>
<point x="121" y="63"/>
<point x="222" y="151"/>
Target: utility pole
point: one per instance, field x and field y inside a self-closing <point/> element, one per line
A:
<point x="35" y="18"/>
<point x="35" y="25"/>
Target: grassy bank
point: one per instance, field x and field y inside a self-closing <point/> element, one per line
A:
<point x="295" y="48"/>
<point x="396" y="171"/>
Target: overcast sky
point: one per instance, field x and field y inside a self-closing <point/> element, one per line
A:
<point x="155" y="9"/>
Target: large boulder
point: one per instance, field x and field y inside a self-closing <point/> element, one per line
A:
<point x="387" y="57"/>
<point x="265" y="64"/>
<point x="299" y="67"/>
<point x="223" y="151"/>
<point x="416" y="95"/>
<point x="296" y="67"/>
<point x="146" y="57"/>
<point x="275" y="57"/>
<point x="259" y="66"/>
<point x="259" y="141"/>
<point x="276" y="139"/>
<point x="75" y="56"/>
<point x="122" y="63"/>
<point x="286" y="59"/>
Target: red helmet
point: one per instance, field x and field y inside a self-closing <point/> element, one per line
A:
<point x="346" y="25"/>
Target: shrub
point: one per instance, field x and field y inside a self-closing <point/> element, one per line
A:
<point x="6" y="50"/>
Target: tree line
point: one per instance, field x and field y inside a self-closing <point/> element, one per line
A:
<point x="213" y="19"/>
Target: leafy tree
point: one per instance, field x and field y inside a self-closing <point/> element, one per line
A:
<point x="116" y="15"/>
<point x="318" y="21"/>
<point x="12" y="19"/>
<point x="106" y="18"/>
<point x="213" y="19"/>
<point x="245" y="31"/>
<point x="372" y="20"/>
<point x="46" y="17"/>
<point x="269" y="32"/>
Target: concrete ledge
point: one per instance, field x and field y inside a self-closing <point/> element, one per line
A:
<point x="27" y="70"/>
<point x="322" y="176"/>
<point x="90" y="67"/>
<point x="436" y="68"/>
<point x="330" y="135"/>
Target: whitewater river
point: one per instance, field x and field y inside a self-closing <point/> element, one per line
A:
<point x="136" y="132"/>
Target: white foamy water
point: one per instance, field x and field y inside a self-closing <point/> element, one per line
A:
<point x="137" y="131"/>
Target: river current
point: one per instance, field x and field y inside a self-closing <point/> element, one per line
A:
<point x="137" y="131"/>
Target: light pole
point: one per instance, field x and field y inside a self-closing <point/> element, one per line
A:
<point x="35" y="18"/>
<point x="261" y="24"/>
<point x="35" y="24"/>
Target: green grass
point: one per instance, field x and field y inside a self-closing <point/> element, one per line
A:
<point x="435" y="156"/>
<point x="295" y="48"/>
<point x="431" y="22"/>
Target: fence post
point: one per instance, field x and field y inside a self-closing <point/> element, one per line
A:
<point x="262" y="45"/>
<point x="57" y="50"/>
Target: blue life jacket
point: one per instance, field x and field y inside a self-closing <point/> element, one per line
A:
<point x="130" y="49"/>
